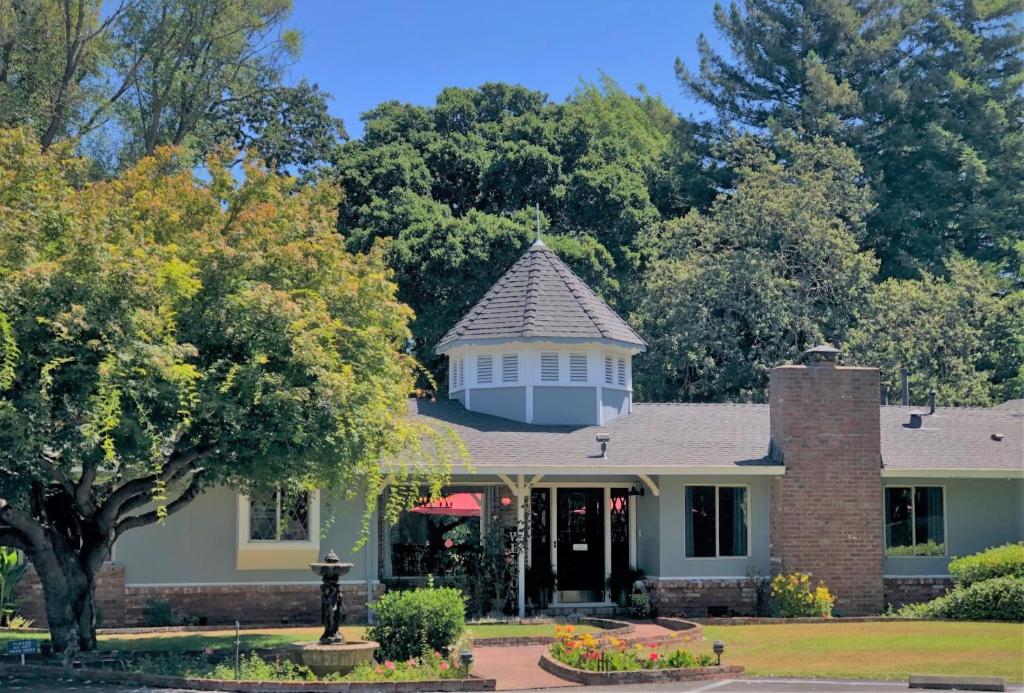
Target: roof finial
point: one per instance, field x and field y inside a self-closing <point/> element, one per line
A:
<point x="538" y="241"/>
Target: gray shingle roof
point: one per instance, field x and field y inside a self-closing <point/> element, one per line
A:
<point x="539" y="297"/>
<point x="723" y="435"/>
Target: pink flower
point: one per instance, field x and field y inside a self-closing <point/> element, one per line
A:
<point x="448" y="543"/>
<point x="444" y="666"/>
<point x="411" y="662"/>
<point x="653" y="656"/>
<point x="389" y="665"/>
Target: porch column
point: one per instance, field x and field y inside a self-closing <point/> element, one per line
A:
<point x="521" y="530"/>
<point x="607" y="501"/>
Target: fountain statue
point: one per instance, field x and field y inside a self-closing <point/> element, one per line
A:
<point x="331" y="654"/>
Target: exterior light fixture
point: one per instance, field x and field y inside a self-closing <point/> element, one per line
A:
<point x="636" y="490"/>
<point x="719" y="649"/>
<point x="603" y="439"/>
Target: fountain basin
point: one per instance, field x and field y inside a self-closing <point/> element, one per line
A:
<point x="333" y="659"/>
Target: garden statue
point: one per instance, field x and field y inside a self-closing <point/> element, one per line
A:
<point x="332" y="611"/>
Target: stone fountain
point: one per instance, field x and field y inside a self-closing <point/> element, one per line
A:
<point x="331" y="654"/>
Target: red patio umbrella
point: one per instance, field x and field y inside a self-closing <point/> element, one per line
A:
<point x="457" y="504"/>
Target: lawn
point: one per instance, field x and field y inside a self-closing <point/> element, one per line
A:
<point x="877" y="650"/>
<point x="272" y="637"/>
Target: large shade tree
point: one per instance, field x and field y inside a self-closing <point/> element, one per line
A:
<point x="160" y="334"/>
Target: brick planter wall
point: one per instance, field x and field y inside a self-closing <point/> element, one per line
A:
<point x="912" y="590"/>
<point x="638" y="677"/>
<point x="695" y="597"/>
<point x="826" y="512"/>
<point x="121" y="605"/>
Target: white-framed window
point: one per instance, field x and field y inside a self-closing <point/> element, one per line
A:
<point x="509" y="368"/>
<point x="717" y="521"/>
<point x="609" y="370"/>
<point x="622" y="372"/>
<point x="915" y="520"/>
<point x="485" y="369"/>
<point x="577" y="368"/>
<point x="549" y="366"/>
<point x="280" y="518"/>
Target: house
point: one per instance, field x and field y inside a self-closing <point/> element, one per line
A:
<point x="702" y="498"/>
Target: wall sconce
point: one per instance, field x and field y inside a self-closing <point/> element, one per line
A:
<point x="636" y="490"/>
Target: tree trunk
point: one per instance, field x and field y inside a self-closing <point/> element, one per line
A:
<point x="69" y="592"/>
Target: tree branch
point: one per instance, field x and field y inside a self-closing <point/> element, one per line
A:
<point x="20" y="521"/>
<point x="194" y="488"/>
<point x="14" y="538"/>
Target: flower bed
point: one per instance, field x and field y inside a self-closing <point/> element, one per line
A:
<point x="587" y="659"/>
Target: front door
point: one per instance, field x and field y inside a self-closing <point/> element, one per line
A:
<point x="580" y="545"/>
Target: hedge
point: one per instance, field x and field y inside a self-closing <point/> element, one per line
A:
<point x="998" y="599"/>
<point x="1001" y="561"/>
<point x="408" y="624"/>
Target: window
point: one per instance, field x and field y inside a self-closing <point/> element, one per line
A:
<point x="549" y="367"/>
<point x="457" y="374"/>
<point x="609" y="370"/>
<point x="716" y="521"/>
<point x="438" y="537"/>
<point x="279" y="516"/>
<point x="915" y="521"/>
<point x="622" y="372"/>
<point x="577" y="368"/>
<point x="510" y="368"/>
<point x="484" y="369"/>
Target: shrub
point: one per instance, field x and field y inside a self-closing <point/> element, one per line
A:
<point x="1001" y="561"/>
<point x="998" y="599"/>
<point x="640" y="605"/>
<point x="158" y="613"/>
<point x="12" y="569"/>
<point x="794" y="597"/>
<point x="408" y="624"/>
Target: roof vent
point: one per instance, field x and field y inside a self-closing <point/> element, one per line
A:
<point x="916" y="419"/>
<point x="997" y="436"/>
<point x="821" y="355"/>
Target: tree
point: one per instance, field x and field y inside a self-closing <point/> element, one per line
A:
<point x="770" y="270"/>
<point x="159" y="335"/>
<point x="961" y="335"/>
<point x="927" y="92"/>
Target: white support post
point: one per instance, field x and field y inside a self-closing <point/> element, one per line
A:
<point x="632" y="500"/>
<point x="521" y="529"/>
<point x="553" y="538"/>
<point x="607" y="538"/>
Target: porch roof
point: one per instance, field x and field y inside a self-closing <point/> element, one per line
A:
<point x="729" y="439"/>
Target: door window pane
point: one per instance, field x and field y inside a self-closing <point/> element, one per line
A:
<point x="732" y="521"/>
<point x="700" y="521"/>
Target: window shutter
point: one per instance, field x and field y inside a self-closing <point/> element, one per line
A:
<point x="578" y="368"/>
<point x="608" y="368"/>
<point x="510" y="368"/>
<point x="484" y="369"/>
<point x="459" y="373"/>
<point x="622" y="372"/>
<point x="549" y="367"/>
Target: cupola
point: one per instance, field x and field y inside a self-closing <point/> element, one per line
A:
<point x="541" y="347"/>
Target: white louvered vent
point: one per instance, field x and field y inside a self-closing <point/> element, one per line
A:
<point x="510" y="368"/>
<point x="577" y="368"/>
<point x="485" y="369"/>
<point x="549" y="367"/>
<point x="622" y="372"/>
<point x="609" y="368"/>
<point x="459" y="372"/>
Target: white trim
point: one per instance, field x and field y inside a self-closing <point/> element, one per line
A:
<point x="246" y="544"/>
<point x="650" y="484"/>
<point x="553" y="532"/>
<point x="632" y="501"/>
<point x="600" y="405"/>
<point x="529" y="404"/>
<point x="284" y="583"/>
<point x="621" y="469"/>
<point x="718" y="556"/>
<point x="953" y="473"/>
<point x="521" y="499"/>
<point x="606" y="501"/>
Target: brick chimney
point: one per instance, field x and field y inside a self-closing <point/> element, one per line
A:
<point x="826" y="514"/>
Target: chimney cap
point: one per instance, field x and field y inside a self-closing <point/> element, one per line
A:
<point x="823" y="353"/>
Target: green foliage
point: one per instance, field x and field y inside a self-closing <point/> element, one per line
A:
<point x="157" y="613"/>
<point x="12" y="570"/>
<point x="1000" y="561"/>
<point x="961" y="335"/>
<point x="995" y="599"/>
<point x="252" y="667"/>
<point x="430" y="667"/>
<point x="794" y="596"/>
<point x="603" y="653"/>
<point x="771" y="269"/>
<point x="407" y="624"/>
<point x="640" y="605"/>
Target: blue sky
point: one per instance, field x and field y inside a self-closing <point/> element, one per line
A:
<point x="365" y="52"/>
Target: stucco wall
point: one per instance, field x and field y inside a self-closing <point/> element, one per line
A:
<point x="648" y="535"/>
<point x="506" y="402"/>
<point x="979" y="513"/>
<point x="614" y="403"/>
<point x="672" y="549"/>
<point x="568" y="406"/>
<point x="198" y="545"/>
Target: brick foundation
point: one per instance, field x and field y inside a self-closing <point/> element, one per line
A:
<point x="121" y="605"/>
<point x="913" y="590"/>
<point x="701" y="598"/>
<point x="826" y="512"/>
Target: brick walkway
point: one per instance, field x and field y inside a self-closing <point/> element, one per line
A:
<point x="516" y="668"/>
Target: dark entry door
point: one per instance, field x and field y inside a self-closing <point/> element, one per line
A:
<point x="580" y="544"/>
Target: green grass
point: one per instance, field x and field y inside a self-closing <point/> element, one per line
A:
<point x="883" y="650"/>
<point x="271" y="637"/>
